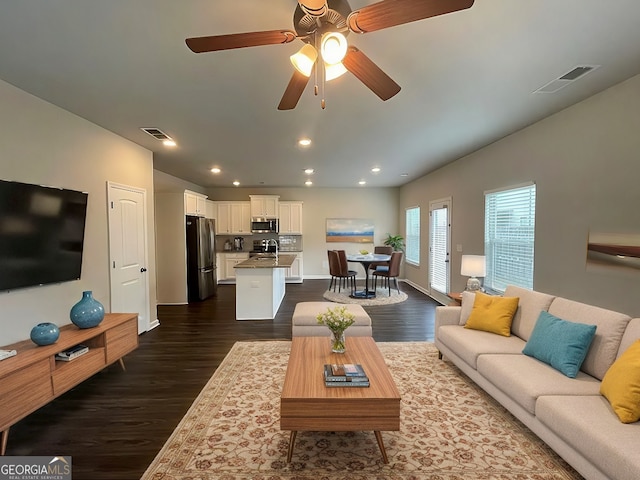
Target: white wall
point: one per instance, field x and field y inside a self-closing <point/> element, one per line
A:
<point x="43" y="144"/>
<point x="585" y="162"/>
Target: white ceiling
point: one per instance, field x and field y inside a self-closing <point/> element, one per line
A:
<point x="467" y="80"/>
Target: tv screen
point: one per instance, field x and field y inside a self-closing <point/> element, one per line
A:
<point x="41" y="234"/>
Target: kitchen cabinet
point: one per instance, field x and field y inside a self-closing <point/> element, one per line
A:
<point x="227" y="263"/>
<point x="264" y="206"/>
<point x="194" y="203"/>
<point x="211" y="209"/>
<point x="233" y="218"/>
<point x="290" y="221"/>
<point x="293" y="274"/>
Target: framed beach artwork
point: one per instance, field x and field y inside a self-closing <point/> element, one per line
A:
<point x="350" y="230"/>
<point x="613" y="252"/>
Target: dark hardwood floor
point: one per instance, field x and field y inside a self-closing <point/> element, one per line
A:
<point x="115" y="423"/>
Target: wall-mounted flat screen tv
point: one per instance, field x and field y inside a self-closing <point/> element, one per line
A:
<point x="41" y="234"/>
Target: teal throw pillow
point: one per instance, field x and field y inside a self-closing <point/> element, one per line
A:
<point x="560" y="343"/>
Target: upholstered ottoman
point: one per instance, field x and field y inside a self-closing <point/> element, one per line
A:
<point x="305" y="324"/>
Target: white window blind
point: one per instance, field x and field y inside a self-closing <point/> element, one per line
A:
<point x="509" y="236"/>
<point x="439" y="258"/>
<point x="412" y="235"/>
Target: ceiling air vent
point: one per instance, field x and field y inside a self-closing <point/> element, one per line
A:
<point x="156" y="133"/>
<point x="566" y="79"/>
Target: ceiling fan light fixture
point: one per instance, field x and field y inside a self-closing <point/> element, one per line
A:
<point x="333" y="47"/>
<point x="305" y="59"/>
<point x="334" y="71"/>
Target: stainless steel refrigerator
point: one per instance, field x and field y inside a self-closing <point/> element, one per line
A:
<point x="201" y="258"/>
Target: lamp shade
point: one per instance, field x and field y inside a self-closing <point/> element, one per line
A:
<point x="334" y="71"/>
<point x="473" y="266"/>
<point x="333" y="47"/>
<point x="304" y="59"/>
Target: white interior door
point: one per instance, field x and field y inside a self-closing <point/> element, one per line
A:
<point x="128" y="252"/>
<point x="439" y="245"/>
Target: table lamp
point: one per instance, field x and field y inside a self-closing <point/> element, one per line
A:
<point x="473" y="266"/>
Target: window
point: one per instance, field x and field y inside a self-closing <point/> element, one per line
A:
<point x="509" y="234"/>
<point x="412" y="240"/>
<point x="439" y="245"/>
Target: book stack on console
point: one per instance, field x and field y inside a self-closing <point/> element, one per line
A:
<point x="72" y="353"/>
<point x="345" y="375"/>
<point x="7" y="353"/>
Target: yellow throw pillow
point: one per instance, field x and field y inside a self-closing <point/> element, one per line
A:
<point x="621" y="385"/>
<point x="492" y="314"/>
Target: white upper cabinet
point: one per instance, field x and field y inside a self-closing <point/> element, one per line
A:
<point x="264" y="206"/>
<point x="290" y="221"/>
<point x="211" y="209"/>
<point x="195" y="203"/>
<point x="233" y="218"/>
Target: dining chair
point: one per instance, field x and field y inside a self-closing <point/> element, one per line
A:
<point x="384" y="250"/>
<point x="345" y="273"/>
<point x="340" y="275"/>
<point x="392" y="272"/>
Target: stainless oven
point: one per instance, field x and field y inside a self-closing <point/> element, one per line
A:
<point x="264" y="225"/>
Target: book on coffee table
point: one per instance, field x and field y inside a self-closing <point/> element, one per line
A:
<point x="347" y="370"/>
<point x="330" y="376"/>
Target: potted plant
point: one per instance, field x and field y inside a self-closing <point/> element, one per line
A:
<point x="395" y="241"/>
<point x="337" y="320"/>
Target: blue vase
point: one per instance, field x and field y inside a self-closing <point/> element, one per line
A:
<point x="45" y="333"/>
<point x="88" y="312"/>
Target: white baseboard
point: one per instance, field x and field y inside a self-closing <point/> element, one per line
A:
<point x="154" y="324"/>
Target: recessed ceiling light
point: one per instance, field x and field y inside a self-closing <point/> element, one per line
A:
<point x="308" y="183"/>
<point x="169" y="143"/>
<point x="308" y="171"/>
<point x="236" y="183"/>
<point x="215" y="170"/>
<point x="362" y="182"/>
<point x="404" y="174"/>
<point x="304" y="142"/>
<point x="375" y="169"/>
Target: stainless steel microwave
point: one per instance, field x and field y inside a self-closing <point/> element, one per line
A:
<point x="264" y="225"/>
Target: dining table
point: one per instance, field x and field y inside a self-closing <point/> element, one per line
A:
<point x="366" y="261"/>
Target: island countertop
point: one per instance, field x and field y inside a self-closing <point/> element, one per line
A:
<point x="281" y="261"/>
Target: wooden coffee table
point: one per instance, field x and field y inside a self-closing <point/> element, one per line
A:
<point x="307" y="404"/>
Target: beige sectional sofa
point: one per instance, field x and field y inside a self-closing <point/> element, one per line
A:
<point x="568" y="414"/>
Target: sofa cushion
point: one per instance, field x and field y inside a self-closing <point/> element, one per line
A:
<point x="588" y="424"/>
<point x="621" y="385"/>
<point x="611" y="326"/>
<point x="529" y="308"/>
<point x="560" y="343"/>
<point x="468" y="298"/>
<point x="631" y="334"/>
<point x="492" y="314"/>
<point x="469" y="344"/>
<point x="524" y="379"/>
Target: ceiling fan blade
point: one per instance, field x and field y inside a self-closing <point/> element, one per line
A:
<point x="370" y="74"/>
<point x="239" y="40"/>
<point x="293" y="91"/>
<point x="389" y="13"/>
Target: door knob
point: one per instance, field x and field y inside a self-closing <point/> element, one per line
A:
<point x="142" y="270"/>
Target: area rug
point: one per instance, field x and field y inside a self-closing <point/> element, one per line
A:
<point x="382" y="297"/>
<point x="450" y="429"/>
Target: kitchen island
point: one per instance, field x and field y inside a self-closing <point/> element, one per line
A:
<point x="260" y="286"/>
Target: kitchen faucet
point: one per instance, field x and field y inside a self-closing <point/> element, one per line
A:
<point x="275" y="242"/>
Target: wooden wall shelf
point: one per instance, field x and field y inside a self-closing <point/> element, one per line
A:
<point x="33" y="377"/>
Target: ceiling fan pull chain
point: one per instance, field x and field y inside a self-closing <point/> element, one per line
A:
<point x="323" y="104"/>
<point x="315" y="65"/>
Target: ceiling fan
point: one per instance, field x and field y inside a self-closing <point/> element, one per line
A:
<point x="323" y="26"/>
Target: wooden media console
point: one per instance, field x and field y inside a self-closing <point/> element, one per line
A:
<point x="33" y="377"/>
